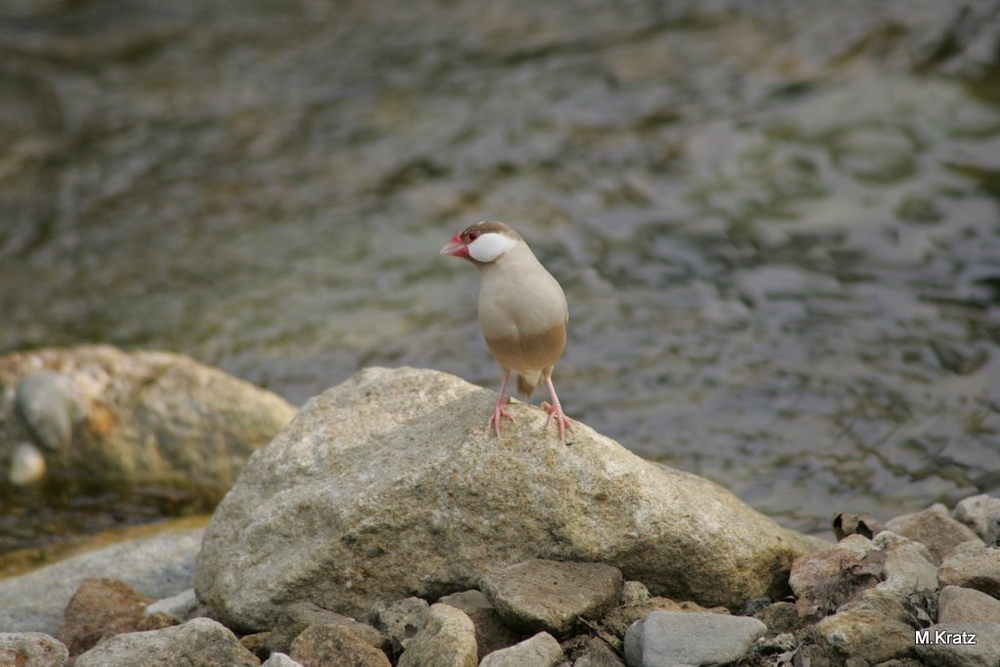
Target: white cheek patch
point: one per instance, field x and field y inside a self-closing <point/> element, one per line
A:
<point x="489" y="246"/>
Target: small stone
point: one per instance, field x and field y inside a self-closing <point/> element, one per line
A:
<point x="542" y="650"/>
<point x="982" y="514"/>
<point x="27" y="465"/>
<point x="873" y="627"/>
<point x="32" y="649"/>
<point x="863" y="524"/>
<point x="46" y="402"/>
<point x="101" y="608"/>
<point x="593" y="652"/>
<point x="966" y="605"/>
<point x="907" y="570"/>
<point x="400" y="620"/>
<point x="447" y="639"/>
<point x="933" y="527"/>
<point x="551" y="595"/>
<point x="335" y="645"/>
<point x="491" y="633"/>
<point x="972" y="565"/>
<point x="200" y="641"/>
<point x="298" y="616"/>
<point x="184" y="606"/>
<point x="826" y="579"/>
<point x="779" y="617"/>
<point x="676" y="639"/>
<point x="280" y="660"/>
<point x="948" y="644"/>
<point x="634" y="592"/>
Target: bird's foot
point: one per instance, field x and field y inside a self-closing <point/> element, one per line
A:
<point x="556" y="412"/>
<point x="500" y="412"/>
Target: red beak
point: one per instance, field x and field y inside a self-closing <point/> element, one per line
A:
<point x="455" y="247"/>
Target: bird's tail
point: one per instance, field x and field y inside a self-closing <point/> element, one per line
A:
<point x="527" y="381"/>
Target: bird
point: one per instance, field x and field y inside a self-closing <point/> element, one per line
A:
<point x="522" y="313"/>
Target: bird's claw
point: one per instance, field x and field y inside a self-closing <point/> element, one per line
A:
<point x="556" y="411"/>
<point x="500" y="412"/>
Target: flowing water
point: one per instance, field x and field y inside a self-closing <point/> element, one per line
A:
<point x="776" y="223"/>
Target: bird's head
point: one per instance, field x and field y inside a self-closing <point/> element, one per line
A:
<point x="483" y="242"/>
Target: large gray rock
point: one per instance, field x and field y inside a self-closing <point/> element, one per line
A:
<point x="200" y="641"/>
<point x="680" y="639"/>
<point x="403" y="490"/>
<point x="158" y="566"/>
<point x="104" y="414"/>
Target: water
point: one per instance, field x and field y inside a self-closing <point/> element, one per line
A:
<point x="777" y="225"/>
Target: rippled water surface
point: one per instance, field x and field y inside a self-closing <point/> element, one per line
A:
<point x="777" y="224"/>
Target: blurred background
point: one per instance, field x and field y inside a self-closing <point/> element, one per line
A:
<point x="776" y="223"/>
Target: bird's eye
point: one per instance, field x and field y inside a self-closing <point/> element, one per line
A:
<point x="472" y="235"/>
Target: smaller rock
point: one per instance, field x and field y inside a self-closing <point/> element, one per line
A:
<point x="780" y="617"/>
<point x="27" y="465"/>
<point x="972" y="565"/>
<point x="634" y="592"/>
<point x="585" y="651"/>
<point x="826" y="579"/>
<point x="948" y="645"/>
<point x="872" y="627"/>
<point x="47" y="403"/>
<point x="447" y="639"/>
<point x="933" y="527"/>
<point x="620" y="619"/>
<point x="32" y="649"/>
<point x="677" y="639"/>
<point x="907" y="569"/>
<point x="298" y="616"/>
<point x="400" y="620"/>
<point x="200" y="641"/>
<point x="551" y="595"/>
<point x="966" y="605"/>
<point x="982" y="514"/>
<point x="336" y="645"/>
<point x="280" y="660"/>
<point x="542" y="650"/>
<point x="184" y="606"/>
<point x="101" y="608"/>
<point x="863" y="524"/>
<point x="491" y="634"/>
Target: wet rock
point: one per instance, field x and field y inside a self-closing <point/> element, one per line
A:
<point x="400" y="620"/>
<point x="200" y="641"/>
<point x="158" y="566"/>
<point x="346" y="469"/>
<point x="101" y="608"/>
<point x="298" y="616"/>
<point x="542" y="650"/>
<point x="676" y="639"/>
<point x="280" y="660"/>
<point x="98" y="413"/>
<point x="966" y="605"/>
<point x="824" y="580"/>
<point x="873" y="627"/>
<point x="491" y="633"/>
<point x="447" y="639"/>
<point x="933" y="527"/>
<point x="950" y="645"/>
<point x="972" y="565"/>
<point x="336" y="645"/>
<point x="32" y="649"/>
<point x="183" y="607"/>
<point x="552" y="596"/>
<point x="982" y="514"/>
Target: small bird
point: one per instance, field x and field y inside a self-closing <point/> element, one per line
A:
<point x="522" y="312"/>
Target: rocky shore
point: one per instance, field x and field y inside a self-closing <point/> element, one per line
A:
<point x="385" y="525"/>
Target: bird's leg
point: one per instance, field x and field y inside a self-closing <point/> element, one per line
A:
<point x="500" y="407"/>
<point x="555" y="410"/>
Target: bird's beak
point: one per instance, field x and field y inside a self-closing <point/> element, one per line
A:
<point x="455" y="247"/>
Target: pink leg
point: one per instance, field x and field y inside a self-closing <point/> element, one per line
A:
<point x="499" y="408"/>
<point x="555" y="410"/>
